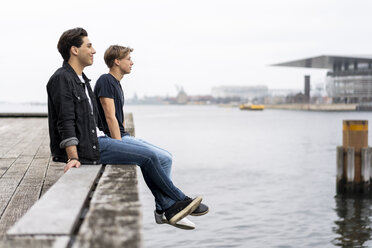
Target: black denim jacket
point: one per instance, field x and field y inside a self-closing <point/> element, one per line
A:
<point x="71" y="119"/>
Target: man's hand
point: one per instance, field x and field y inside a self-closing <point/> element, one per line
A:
<point x="72" y="163"/>
<point x="71" y="152"/>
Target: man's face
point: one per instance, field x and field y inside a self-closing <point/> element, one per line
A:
<point x="125" y="64"/>
<point x="85" y="52"/>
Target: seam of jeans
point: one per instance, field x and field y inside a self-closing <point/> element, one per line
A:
<point x="149" y="144"/>
<point x="176" y="197"/>
<point x="151" y="147"/>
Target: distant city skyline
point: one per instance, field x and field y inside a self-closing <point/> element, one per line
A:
<point x="194" y="44"/>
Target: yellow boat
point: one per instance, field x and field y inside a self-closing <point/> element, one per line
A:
<point x="251" y="107"/>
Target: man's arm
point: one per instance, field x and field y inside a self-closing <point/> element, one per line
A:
<point x="61" y="95"/>
<point x="108" y="106"/>
<point x="63" y="104"/>
<point x="72" y="153"/>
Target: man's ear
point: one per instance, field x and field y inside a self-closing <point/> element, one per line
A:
<point x="117" y="62"/>
<point x="74" y="50"/>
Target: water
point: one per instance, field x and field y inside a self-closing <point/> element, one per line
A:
<point x="268" y="177"/>
<point x="23" y="107"/>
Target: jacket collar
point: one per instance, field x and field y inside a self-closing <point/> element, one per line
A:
<point x="68" y="67"/>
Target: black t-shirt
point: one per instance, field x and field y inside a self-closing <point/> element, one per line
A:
<point x="108" y="86"/>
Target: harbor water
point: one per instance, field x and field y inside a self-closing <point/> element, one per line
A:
<point x="268" y="177"/>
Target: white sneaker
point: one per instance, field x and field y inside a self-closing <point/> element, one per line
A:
<point x="183" y="223"/>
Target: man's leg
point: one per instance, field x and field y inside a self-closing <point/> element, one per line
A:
<point x="119" y="152"/>
<point x="165" y="158"/>
<point x="172" y="200"/>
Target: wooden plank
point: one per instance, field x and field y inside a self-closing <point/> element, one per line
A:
<point x="26" y="195"/>
<point x="30" y="131"/>
<point x="57" y="212"/>
<point x="54" y="172"/>
<point x="44" y="149"/>
<point x="10" y="135"/>
<point x="33" y="145"/>
<point x="11" y="179"/>
<point x="7" y="125"/>
<point x="5" y="164"/>
<point x="20" y="148"/>
<point x="114" y="216"/>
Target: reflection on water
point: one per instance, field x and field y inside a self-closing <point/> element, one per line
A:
<point x="354" y="226"/>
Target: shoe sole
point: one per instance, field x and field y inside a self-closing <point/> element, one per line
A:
<point x="186" y="211"/>
<point x="200" y="214"/>
<point x="184" y="227"/>
<point x="181" y="226"/>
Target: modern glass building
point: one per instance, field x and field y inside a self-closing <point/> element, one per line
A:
<point x="349" y="79"/>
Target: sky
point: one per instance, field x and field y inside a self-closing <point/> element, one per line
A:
<point x="191" y="44"/>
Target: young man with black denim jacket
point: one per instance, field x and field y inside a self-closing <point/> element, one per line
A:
<point x="76" y="139"/>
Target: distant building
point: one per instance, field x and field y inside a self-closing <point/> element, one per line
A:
<point x="245" y="93"/>
<point x="298" y="98"/>
<point x="200" y="99"/>
<point x="283" y="92"/>
<point x="181" y="97"/>
<point x="349" y="79"/>
<point x="278" y="96"/>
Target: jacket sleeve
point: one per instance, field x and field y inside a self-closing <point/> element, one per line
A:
<point x="61" y="94"/>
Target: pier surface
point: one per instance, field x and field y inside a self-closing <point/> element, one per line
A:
<point x="112" y="216"/>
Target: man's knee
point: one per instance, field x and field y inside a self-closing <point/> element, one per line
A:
<point x="168" y="159"/>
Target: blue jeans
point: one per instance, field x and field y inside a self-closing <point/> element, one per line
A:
<point x="155" y="164"/>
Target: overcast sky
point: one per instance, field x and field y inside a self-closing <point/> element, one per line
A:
<point x="194" y="44"/>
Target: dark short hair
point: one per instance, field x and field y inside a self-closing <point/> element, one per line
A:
<point x="69" y="38"/>
<point x="115" y="52"/>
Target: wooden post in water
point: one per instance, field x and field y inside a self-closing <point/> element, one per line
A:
<point x="354" y="158"/>
<point x="366" y="167"/>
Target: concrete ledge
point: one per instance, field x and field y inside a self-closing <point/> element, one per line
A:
<point x="69" y="215"/>
<point x="114" y="217"/>
<point x="57" y="212"/>
<point x="38" y="241"/>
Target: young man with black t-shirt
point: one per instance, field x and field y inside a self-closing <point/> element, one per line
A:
<point x="110" y="99"/>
